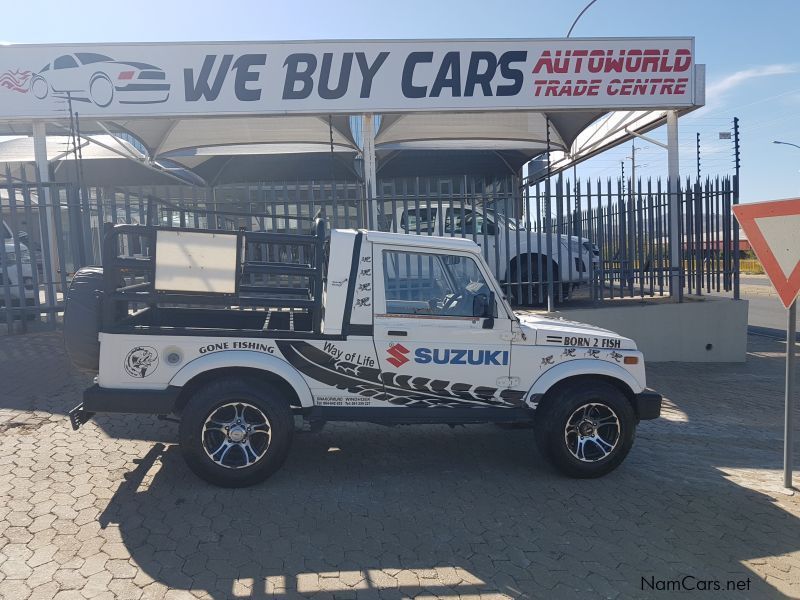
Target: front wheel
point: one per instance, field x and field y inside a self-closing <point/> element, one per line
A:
<point x="587" y="428"/>
<point x="236" y="431"/>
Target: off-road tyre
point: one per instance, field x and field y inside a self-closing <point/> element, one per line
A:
<point x="557" y="409"/>
<point x="198" y="438"/>
<point x="82" y="318"/>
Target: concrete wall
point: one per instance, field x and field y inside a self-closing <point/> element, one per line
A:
<point x="707" y="329"/>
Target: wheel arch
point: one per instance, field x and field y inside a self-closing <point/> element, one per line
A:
<point x="546" y="400"/>
<point x="241" y="363"/>
<point x="583" y="370"/>
<point x="522" y="259"/>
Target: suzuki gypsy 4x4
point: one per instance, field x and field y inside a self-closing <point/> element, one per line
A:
<point x="386" y="328"/>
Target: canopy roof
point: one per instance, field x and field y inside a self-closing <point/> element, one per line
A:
<point x="106" y="160"/>
<point x="233" y="149"/>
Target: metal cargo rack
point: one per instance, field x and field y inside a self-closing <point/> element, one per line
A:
<point x="270" y="295"/>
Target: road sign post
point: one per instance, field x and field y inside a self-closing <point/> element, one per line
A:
<point x="788" y="421"/>
<point x="772" y="228"/>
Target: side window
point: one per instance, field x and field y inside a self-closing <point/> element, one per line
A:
<point x="490" y="226"/>
<point x="456" y="220"/>
<point x="64" y="62"/>
<point x="417" y="283"/>
<point x="468" y="222"/>
<point x="422" y="218"/>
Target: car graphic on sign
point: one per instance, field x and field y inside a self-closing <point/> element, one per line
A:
<point x="97" y="78"/>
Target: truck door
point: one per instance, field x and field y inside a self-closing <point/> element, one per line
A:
<point x="431" y="350"/>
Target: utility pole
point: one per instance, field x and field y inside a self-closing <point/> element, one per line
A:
<point x="622" y="167"/>
<point x="632" y="158"/>
<point x="633" y="166"/>
<point x="698" y="157"/>
<point x="736" y="257"/>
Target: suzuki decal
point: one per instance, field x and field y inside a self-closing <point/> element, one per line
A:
<point x="397" y="355"/>
<point x="406" y="390"/>
<point x="455" y="356"/>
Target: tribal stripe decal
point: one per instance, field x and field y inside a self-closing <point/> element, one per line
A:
<point x="405" y="390"/>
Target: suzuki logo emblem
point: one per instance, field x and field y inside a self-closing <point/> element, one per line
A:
<point x="397" y="355"/>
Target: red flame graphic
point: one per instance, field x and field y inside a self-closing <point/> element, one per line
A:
<point x="17" y="81"/>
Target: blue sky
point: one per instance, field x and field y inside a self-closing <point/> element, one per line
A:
<point x="751" y="49"/>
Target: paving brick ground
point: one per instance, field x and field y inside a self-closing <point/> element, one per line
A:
<point x="366" y="511"/>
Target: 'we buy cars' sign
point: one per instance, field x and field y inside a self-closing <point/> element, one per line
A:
<point x="121" y="80"/>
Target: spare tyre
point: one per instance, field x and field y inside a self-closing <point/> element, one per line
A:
<point x="82" y="318"/>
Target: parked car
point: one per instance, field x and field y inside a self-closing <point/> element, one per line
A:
<point x="363" y="341"/>
<point x="513" y="253"/>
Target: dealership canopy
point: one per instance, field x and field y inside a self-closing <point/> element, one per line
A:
<point x="194" y="102"/>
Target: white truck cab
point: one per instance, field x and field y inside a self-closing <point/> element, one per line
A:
<point x="368" y="337"/>
<point x="513" y="253"/>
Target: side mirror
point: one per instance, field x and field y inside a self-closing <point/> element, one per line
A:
<point x="483" y="307"/>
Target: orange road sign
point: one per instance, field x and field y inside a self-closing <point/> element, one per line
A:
<point x="773" y="229"/>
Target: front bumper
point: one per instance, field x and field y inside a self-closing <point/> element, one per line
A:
<point x="647" y="405"/>
<point x="97" y="399"/>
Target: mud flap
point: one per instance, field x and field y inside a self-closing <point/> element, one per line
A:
<point x="78" y="416"/>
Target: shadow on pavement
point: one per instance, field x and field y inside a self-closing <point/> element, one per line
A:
<point x="364" y="504"/>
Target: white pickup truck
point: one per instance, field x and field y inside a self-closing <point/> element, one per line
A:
<point x="241" y="353"/>
<point x="12" y="266"/>
<point x="516" y="255"/>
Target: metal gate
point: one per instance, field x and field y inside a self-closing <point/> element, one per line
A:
<point x="556" y="241"/>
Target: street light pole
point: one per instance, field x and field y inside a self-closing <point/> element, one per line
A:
<point x="788" y="419"/>
<point x="580" y="14"/>
<point x="785" y="143"/>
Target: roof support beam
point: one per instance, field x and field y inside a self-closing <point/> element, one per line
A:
<point x="144" y="163"/>
<point x="370" y="169"/>
<point x="42" y="167"/>
<point x="646" y="139"/>
<point x="675" y="287"/>
<point x="116" y="139"/>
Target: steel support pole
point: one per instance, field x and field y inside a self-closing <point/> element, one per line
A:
<point x="47" y="204"/>
<point x="788" y="419"/>
<point x="673" y="164"/>
<point x="370" y="170"/>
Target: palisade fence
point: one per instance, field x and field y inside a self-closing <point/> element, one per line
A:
<point x="604" y="239"/>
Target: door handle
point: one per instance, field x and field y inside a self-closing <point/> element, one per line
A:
<point x="397" y="332"/>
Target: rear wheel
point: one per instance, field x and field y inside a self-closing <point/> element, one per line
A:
<point x="587" y="428"/>
<point x="236" y="431"/>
